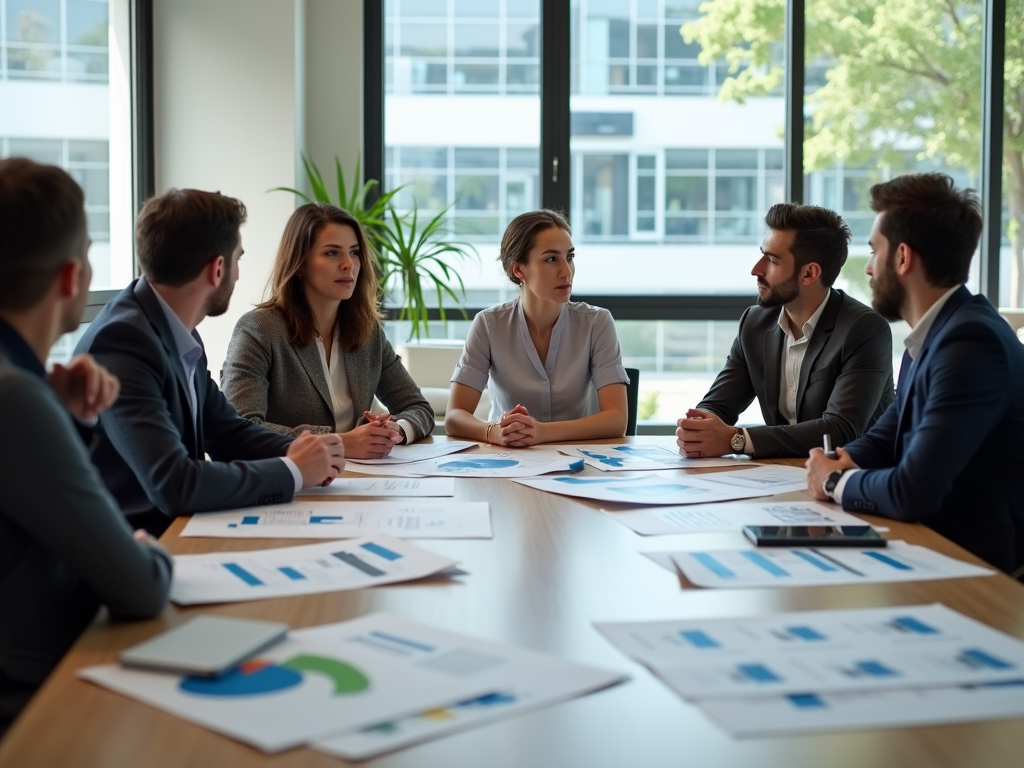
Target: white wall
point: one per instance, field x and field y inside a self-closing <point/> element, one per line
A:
<point x="229" y="113"/>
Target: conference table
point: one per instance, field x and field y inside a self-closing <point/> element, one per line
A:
<point x="554" y="566"/>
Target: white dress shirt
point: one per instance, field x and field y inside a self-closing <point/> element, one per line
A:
<point x="189" y="353"/>
<point x="793" y="354"/>
<point x="913" y="343"/>
<point x="345" y="417"/>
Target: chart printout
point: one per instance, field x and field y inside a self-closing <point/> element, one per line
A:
<point x="224" y="577"/>
<point x="410" y="519"/>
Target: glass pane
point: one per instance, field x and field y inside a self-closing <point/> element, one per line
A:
<point x="87" y="23"/>
<point x="61" y="52"/>
<point x="889" y="116"/>
<point x="605" y="195"/>
<point x="478" y="40"/>
<point x="523" y="40"/>
<point x="33" y="21"/>
<point x="49" y="151"/>
<point x="440" y="111"/>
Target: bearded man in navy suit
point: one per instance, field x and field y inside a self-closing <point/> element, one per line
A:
<point x="949" y="451"/>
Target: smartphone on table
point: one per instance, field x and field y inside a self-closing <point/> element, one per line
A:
<point x="814" y="536"/>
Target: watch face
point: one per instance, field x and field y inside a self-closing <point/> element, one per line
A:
<point x="833" y="480"/>
<point x="738" y="442"/>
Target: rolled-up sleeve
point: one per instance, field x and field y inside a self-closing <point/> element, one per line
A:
<point x="605" y="355"/>
<point x="475" y="364"/>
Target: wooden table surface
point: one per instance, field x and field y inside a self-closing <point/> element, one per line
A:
<point x="554" y="567"/>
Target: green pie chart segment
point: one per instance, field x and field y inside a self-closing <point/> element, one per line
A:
<point x="347" y="679"/>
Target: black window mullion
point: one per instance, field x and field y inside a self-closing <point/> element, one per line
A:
<point x="994" y="51"/>
<point x="373" y="95"/>
<point x="555" y="64"/>
<point x="794" y="140"/>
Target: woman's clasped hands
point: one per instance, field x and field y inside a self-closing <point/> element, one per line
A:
<point x="517" y="429"/>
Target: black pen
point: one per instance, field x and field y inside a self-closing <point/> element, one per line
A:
<point x="826" y="444"/>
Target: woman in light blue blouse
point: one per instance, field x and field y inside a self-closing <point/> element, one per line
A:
<point x="554" y="365"/>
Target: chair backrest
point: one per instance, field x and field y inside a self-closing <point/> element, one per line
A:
<point x="632" y="400"/>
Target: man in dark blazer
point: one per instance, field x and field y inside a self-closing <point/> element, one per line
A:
<point x="151" y="445"/>
<point x="948" y="452"/>
<point x="65" y="548"/>
<point x="822" y="364"/>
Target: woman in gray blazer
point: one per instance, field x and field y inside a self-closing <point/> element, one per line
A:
<point x="313" y="356"/>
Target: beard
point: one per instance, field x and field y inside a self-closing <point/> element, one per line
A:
<point x="887" y="295"/>
<point x="780" y="293"/>
<point x="219" y="301"/>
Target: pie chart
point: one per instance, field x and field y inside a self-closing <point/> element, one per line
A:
<point x="254" y="678"/>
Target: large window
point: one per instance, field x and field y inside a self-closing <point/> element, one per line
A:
<point x="677" y="140"/>
<point x="64" y="87"/>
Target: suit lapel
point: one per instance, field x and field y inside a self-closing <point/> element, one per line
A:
<point x="358" y="384"/>
<point x="819" y="338"/>
<point x="774" y="343"/>
<point x="309" y="356"/>
<point x="910" y="367"/>
<point x="151" y="308"/>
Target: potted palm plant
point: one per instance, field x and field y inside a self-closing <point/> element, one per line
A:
<point x="412" y="254"/>
<point x="417" y="257"/>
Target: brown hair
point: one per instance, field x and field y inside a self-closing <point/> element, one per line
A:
<point x="821" y="236"/>
<point x="941" y="223"/>
<point x="358" y="317"/>
<point x="177" y="233"/>
<point x="521" y="234"/>
<point x="42" y="228"/>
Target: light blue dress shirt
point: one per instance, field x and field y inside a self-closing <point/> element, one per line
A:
<point x="190" y="351"/>
<point x="582" y="358"/>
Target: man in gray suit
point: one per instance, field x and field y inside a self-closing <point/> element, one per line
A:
<point x="820" y="365"/>
<point x="65" y="548"/>
<point x="151" y="445"/>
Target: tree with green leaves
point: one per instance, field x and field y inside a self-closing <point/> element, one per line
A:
<point x="901" y="76"/>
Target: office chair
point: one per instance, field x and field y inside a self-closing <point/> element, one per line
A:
<point x="632" y="400"/>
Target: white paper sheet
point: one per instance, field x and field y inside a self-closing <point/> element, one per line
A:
<point x="394" y="487"/>
<point x="768" y="479"/>
<point x="814" y="566"/>
<point x="705" y="518"/>
<point x="510" y="464"/>
<point x="348" y="520"/>
<point x="403" y="454"/>
<point x="816" y="713"/>
<point x="635" y="489"/>
<point x="618" y="458"/>
<point x="335" y="679"/>
<point x="224" y="577"/>
<point x="821" y="651"/>
<point x="524" y="681"/>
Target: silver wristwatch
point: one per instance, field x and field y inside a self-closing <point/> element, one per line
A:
<point x="738" y="441"/>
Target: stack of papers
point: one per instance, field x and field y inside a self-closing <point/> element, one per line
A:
<point x="819" y="566"/>
<point x="676" y="488"/>
<point x="833" y="670"/>
<point x="618" y="458"/>
<point x="512" y="464"/>
<point x="362" y="687"/>
<point x="393" y="487"/>
<point x="403" y="454"/>
<point x="224" y="577"/>
<point x="347" y="520"/>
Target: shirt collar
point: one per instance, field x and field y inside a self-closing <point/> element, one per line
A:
<point x="812" y="321"/>
<point x="184" y="341"/>
<point x="18" y="350"/>
<point x="915" y="339"/>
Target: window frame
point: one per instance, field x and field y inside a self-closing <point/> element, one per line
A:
<point x="555" y="65"/>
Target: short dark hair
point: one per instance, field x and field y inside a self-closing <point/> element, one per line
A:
<point x="520" y="235"/>
<point x="359" y="317"/>
<point x="821" y="236"/>
<point x="941" y="223"/>
<point x="42" y="228"/>
<point x="177" y="234"/>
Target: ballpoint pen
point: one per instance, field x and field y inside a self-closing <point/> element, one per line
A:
<point x="826" y="444"/>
